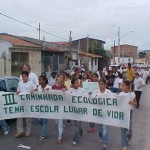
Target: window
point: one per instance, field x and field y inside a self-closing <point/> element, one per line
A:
<point x="95" y="61"/>
<point x="12" y="85"/>
<point x="3" y="86"/>
<point x="18" y="60"/>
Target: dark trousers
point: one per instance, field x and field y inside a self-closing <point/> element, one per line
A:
<point x="138" y="96"/>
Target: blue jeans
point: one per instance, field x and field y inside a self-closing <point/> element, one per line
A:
<point x="78" y="131"/>
<point x="43" y="122"/>
<point x="60" y="128"/>
<point x="124" y="139"/>
<point x="103" y="133"/>
<point x="4" y="125"/>
<point x="126" y="134"/>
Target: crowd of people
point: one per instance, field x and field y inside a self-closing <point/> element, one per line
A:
<point x="126" y="81"/>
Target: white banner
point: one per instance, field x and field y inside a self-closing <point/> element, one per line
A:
<point x="109" y="109"/>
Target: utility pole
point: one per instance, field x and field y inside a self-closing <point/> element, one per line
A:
<point x="70" y="46"/>
<point x="87" y="43"/>
<point x="78" y="53"/>
<point x="119" y="45"/>
<point x="39" y="31"/>
<point x="114" y="51"/>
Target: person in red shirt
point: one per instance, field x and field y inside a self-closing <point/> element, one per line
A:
<point x="60" y="86"/>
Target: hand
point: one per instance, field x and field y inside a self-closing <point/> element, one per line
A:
<point x="17" y="92"/>
<point x="63" y="89"/>
<point x="130" y="102"/>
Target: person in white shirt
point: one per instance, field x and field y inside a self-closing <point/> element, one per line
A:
<point x="138" y="84"/>
<point x="52" y="80"/>
<point x="32" y="76"/>
<point x="145" y="74"/>
<point x="117" y="83"/>
<point x="103" y="128"/>
<point x="24" y="87"/>
<point x="76" y="90"/>
<point x="43" y="86"/>
<point x="126" y="134"/>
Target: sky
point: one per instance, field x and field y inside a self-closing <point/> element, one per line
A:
<point x="99" y="19"/>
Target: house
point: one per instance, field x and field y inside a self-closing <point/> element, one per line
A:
<point x="91" y="60"/>
<point x="17" y="51"/>
<point x="126" y="51"/>
<point x="52" y="54"/>
<point x="80" y="57"/>
<point x="84" y="44"/>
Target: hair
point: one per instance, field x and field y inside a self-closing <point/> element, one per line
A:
<point x="61" y="74"/>
<point x="43" y="73"/>
<point x="67" y="75"/>
<point x="102" y="80"/>
<point x="129" y="64"/>
<point x="137" y="74"/>
<point x="129" y="84"/>
<point x="54" y="73"/>
<point x="44" y="78"/>
<point x="27" y="65"/>
<point x="75" y="75"/>
<point x="95" y="74"/>
<point x="73" y="81"/>
<point x="25" y="72"/>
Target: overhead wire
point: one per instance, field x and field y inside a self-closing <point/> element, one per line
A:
<point x="31" y="26"/>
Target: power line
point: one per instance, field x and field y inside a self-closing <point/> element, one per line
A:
<point x="31" y="26"/>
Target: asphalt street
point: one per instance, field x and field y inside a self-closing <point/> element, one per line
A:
<point x="89" y="141"/>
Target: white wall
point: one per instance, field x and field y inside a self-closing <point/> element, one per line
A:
<point x="4" y="48"/>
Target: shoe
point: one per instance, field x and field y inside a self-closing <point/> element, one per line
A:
<point x="124" y="148"/>
<point x="59" y="141"/>
<point x="104" y="147"/>
<point x="74" y="143"/>
<point x="42" y="138"/>
<point x="129" y="141"/>
<point x="19" y="134"/>
<point x="6" y="132"/>
<point x="28" y="133"/>
<point x="90" y="130"/>
<point x="100" y="140"/>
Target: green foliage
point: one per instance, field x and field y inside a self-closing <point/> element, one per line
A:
<point x="98" y="50"/>
<point x="142" y="54"/>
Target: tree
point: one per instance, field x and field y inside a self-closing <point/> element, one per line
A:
<point x="98" y="50"/>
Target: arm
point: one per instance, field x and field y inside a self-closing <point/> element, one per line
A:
<point x="133" y="102"/>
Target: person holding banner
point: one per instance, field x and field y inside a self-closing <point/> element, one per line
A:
<point x="43" y="86"/>
<point x="24" y="87"/>
<point x="126" y="134"/>
<point x="60" y="86"/>
<point x="76" y="90"/>
<point x="94" y="78"/>
<point x="103" y="128"/>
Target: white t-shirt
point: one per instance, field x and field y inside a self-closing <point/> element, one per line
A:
<point x="138" y="82"/>
<point x="45" y="89"/>
<point x="130" y="97"/>
<point x="78" y="91"/>
<point x="97" y="92"/>
<point x="117" y="82"/>
<point x="52" y="81"/>
<point x="33" y="78"/>
<point x="26" y="88"/>
<point x="145" y="74"/>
